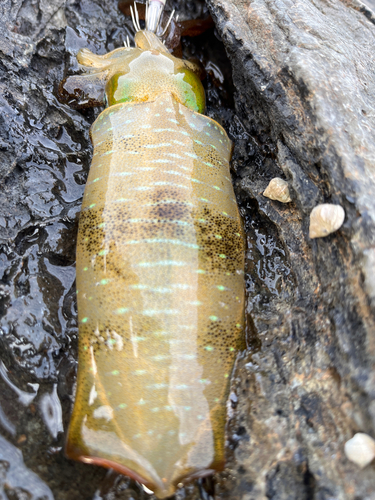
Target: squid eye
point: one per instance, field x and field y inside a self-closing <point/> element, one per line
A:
<point x="192" y="88"/>
<point x="120" y="89"/>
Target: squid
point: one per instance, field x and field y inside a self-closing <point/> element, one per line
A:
<point x="160" y="269"/>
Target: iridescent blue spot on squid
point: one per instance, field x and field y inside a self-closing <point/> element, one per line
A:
<point x="192" y="155"/>
<point x="162" y="263"/>
<point x="204" y="381"/>
<point x="122" y="310"/>
<point x="138" y="287"/>
<point x="153" y="146"/>
<point x="174" y="155"/>
<point x="187" y="356"/>
<point x="154" y="312"/>
<point x="140" y="372"/>
<point x="158" y="386"/>
<point x="163" y="240"/>
<point x="160" y="357"/>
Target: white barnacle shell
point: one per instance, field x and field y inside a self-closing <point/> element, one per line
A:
<point x="360" y="449"/>
<point x="278" y="190"/>
<point x="325" y="219"/>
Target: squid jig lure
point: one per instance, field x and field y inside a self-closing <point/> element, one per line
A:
<point x="160" y="269"/>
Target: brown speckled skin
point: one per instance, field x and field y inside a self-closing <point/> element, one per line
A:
<point x="160" y="281"/>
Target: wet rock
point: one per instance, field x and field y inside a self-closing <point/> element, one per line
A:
<point x="305" y="84"/>
<point x="16" y="480"/>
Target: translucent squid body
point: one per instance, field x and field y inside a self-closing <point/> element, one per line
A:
<point x="160" y="273"/>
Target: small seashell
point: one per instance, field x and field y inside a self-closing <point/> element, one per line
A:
<point x="325" y="219"/>
<point x="278" y="190"/>
<point x="360" y="449"/>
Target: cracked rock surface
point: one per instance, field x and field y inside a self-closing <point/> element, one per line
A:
<point x="301" y="108"/>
